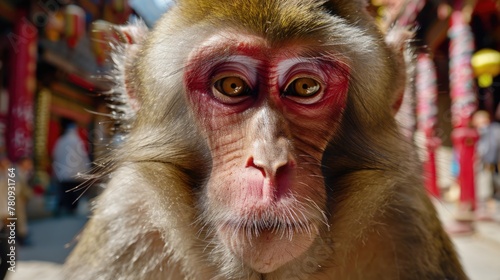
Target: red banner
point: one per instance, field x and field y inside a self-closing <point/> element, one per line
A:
<point x="22" y="85"/>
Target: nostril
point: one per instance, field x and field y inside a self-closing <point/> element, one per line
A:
<point x="251" y="163"/>
<point x="271" y="169"/>
<point x="282" y="169"/>
<point x="285" y="167"/>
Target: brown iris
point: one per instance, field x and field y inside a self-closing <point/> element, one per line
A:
<point x="232" y="86"/>
<point x="304" y="87"/>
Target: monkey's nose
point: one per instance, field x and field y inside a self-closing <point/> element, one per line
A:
<point x="272" y="159"/>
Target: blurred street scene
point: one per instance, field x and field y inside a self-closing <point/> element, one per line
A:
<point x="54" y="119"/>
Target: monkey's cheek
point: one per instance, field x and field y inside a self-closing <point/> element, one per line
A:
<point x="269" y="250"/>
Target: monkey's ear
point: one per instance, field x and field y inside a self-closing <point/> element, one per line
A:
<point x="398" y="39"/>
<point x="128" y="39"/>
<point x="124" y="44"/>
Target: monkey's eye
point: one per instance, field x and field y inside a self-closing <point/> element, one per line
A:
<point x="231" y="90"/>
<point x="232" y="86"/>
<point x="304" y="90"/>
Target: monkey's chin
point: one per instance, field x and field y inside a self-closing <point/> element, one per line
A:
<point x="268" y="250"/>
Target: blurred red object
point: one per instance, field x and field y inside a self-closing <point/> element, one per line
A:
<point x="75" y="24"/>
<point x="38" y="190"/>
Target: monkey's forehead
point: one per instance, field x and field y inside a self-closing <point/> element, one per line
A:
<point x="276" y="20"/>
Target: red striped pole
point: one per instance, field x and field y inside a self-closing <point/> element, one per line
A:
<point x="463" y="103"/>
<point x="426" y="91"/>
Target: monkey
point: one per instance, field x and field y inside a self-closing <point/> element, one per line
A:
<point x="262" y="144"/>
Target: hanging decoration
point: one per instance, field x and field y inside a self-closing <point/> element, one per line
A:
<point x="75" y="24"/>
<point x="55" y="26"/>
<point x="486" y="65"/>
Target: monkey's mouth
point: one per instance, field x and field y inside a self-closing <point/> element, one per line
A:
<point x="268" y="228"/>
<point x="265" y="245"/>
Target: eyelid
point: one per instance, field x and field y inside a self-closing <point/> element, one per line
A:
<point x="227" y="74"/>
<point x="244" y="66"/>
<point x="290" y="67"/>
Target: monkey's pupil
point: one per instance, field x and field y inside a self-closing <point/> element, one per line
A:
<point x="304" y="86"/>
<point x="233" y="85"/>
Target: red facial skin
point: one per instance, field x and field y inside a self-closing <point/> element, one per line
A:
<point x="266" y="188"/>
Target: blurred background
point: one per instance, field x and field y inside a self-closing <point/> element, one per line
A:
<point x="53" y="53"/>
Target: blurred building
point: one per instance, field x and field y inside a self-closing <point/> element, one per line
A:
<point x="484" y="22"/>
<point x="48" y="68"/>
<point x="457" y="72"/>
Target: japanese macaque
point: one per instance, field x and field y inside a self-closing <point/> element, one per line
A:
<point x="263" y="145"/>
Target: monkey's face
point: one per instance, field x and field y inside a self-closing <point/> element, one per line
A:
<point x="267" y="113"/>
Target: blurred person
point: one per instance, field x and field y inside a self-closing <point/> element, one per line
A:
<point x="24" y="175"/>
<point x="488" y="150"/>
<point x="452" y="192"/>
<point x="70" y="159"/>
<point x="5" y="164"/>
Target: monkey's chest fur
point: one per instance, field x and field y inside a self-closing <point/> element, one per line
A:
<point x="262" y="144"/>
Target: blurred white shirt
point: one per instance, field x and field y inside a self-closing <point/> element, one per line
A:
<point x="70" y="157"/>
